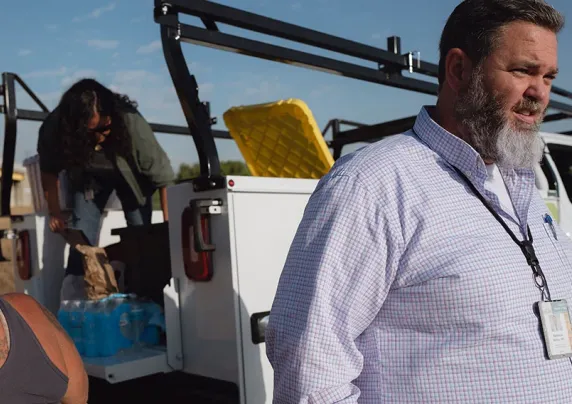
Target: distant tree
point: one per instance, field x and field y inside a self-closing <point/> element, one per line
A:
<point x="188" y="171"/>
<point x="229" y="167"/>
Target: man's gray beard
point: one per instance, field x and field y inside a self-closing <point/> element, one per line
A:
<point x="490" y="133"/>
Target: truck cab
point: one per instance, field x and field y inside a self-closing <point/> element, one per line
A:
<point x="554" y="178"/>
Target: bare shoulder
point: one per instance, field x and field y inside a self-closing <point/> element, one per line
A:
<point x="19" y="299"/>
<point x="56" y="342"/>
<point x="4" y="340"/>
<point x="33" y="311"/>
<point x="42" y="323"/>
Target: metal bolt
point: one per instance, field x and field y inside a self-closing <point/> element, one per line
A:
<point x="10" y="234"/>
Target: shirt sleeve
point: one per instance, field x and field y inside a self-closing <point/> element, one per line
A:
<point x="153" y="161"/>
<point x="338" y="272"/>
<point x="47" y="147"/>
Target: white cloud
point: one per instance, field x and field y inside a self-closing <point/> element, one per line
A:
<point x="152" y="91"/>
<point x="115" y="55"/>
<point x="46" y="73"/>
<point x="296" y="6"/>
<point x="78" y="74"/>
<point x="96" y="13"/>
<point x="50" y="99"/>
<point x="136" y="20"/>
<point x="103" y="43"/>
<point x="321" y="91"/>
<point x="142" y="62"/>
<point x="51" y="27"/>
<point x="246" y="90"/>
<point x="263" y="89"/>
<point x="99" y="11"/>
<point x="24" y="52"/>
<point x="381" y="35"/>
<point x="123" y="77"/>
<point x="149" y="48"/>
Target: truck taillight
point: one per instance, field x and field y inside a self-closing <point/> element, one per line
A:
<point x="23" y="255"/>
<point x="196" y="238"/>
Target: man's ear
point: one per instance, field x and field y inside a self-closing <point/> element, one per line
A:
<point x="458" y="69"/>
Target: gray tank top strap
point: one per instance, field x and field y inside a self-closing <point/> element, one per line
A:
<point x="28" y="374"/>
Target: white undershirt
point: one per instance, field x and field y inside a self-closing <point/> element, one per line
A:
<point x="496" y="185"/>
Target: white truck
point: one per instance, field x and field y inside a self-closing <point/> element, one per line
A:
<point x="229" y="236"/>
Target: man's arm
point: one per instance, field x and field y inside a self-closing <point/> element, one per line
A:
<point x="341" y="264"/>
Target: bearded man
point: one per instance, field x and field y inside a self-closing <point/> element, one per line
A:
<point x="426" y="268"/>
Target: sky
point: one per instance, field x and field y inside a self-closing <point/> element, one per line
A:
<point x="54" y="43"/>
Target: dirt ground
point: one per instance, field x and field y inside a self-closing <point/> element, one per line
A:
<point x="6" y="270"/>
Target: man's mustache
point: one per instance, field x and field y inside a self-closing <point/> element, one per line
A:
<point x="531" y="107"/>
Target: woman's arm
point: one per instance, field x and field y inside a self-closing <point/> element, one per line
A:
<point x="164" y="205"/>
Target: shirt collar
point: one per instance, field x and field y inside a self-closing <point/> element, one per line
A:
<point x="456" y="151"/>
<point x="451" y="148"/>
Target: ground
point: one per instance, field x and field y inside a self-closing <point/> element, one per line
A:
<point x="6" y="271"/>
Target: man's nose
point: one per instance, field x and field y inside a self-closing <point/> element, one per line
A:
<point x="538" y="90"/>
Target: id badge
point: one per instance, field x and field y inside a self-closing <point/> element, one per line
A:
<point x="89" y="194"/>
<point x="557" y="328"/>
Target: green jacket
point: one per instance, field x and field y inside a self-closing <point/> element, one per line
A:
<point x="150" y="169"/>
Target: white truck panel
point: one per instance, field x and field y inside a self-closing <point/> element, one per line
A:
<point x="208" y="309"/>
<point x="264" y="226"/>
<point x="252" y="236"/>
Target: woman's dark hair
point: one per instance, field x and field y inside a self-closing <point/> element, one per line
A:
<point x="475" y="25"/>
<point x="76" y="109"/>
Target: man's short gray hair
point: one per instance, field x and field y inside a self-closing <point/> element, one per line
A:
<point x="475" y="25"/>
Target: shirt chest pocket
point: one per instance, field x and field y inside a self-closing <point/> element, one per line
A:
<point x="554" y="243"/>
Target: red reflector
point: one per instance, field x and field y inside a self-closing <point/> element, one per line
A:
<point x="23" y="255"/>
<point x="231" y="183"/>
<point x="198" y="264"/>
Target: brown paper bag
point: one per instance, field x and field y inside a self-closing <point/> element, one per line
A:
<point x="99" y="277"/>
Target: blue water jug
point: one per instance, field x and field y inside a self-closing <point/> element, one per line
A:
<point x="89" y="329"/>
<point x="75" y="322"/>
<point x="64" y="315"/>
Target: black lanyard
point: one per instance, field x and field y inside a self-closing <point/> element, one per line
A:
<point x="525" y="245"/>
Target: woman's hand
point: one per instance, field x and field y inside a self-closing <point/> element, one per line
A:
<point x="57" y="222"/>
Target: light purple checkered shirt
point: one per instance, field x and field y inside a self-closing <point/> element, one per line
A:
<point x="401" y="287"/>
